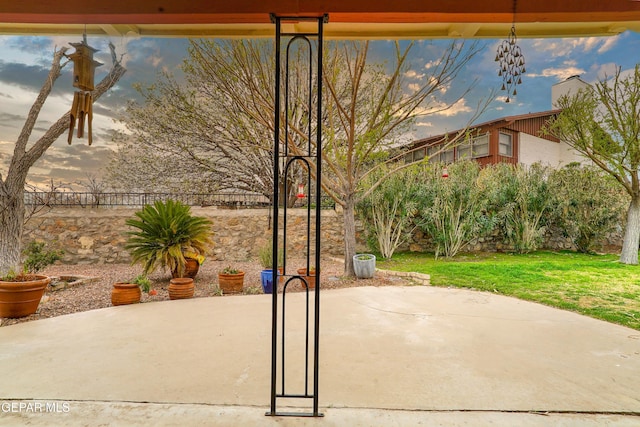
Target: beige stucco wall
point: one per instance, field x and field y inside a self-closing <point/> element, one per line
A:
<point x="534" y="149"/>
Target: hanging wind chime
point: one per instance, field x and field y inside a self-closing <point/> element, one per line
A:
<point x="84" y="67"/>
<point x="511" y="61"/>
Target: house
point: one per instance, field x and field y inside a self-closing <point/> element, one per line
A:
<point x="512" y="139"/>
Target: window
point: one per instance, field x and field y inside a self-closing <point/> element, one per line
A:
<point x="476" y="147"/>
<point x="445" y="156"/>
<point x="414" y="156"/>
<point x="464" y="151"/>
<point x="431" y="151"/>
<point x="505" y="145"/>
<point x="480" y="145"/>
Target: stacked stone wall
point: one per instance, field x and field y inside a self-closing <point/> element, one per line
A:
<point x="98" y="235"/>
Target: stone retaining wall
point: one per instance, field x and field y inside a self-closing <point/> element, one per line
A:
<point x="97" y="235"/>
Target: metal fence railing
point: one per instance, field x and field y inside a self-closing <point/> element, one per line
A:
<point x="87" y="199"/>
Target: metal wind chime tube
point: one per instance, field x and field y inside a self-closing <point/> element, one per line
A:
<point x="511" y="61"/>
<point x="307" y="387"/>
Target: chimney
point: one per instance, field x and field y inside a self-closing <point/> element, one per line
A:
<point x="571" y="85"/>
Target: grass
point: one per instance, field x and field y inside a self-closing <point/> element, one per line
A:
<point x="594" y="285"/>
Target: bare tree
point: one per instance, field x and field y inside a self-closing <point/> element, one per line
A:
<point x="221" y="122"/>
<point x="12" y="209"/>
<point x="214" y="132"/>
<point x="369" y="109"/>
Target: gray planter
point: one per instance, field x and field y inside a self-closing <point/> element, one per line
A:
<point x="364" y="265"/>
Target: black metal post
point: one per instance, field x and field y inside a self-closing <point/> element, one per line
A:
<point x="278" y="333"/>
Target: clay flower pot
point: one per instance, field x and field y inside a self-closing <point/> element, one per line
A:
<point x="181" y="288"/>
<point x="21" y="298"/>
<point x="231" y="283"/>
<point x="191" y="268"/>
<point x="125" y="293"/>
<point x="310" y="278"/>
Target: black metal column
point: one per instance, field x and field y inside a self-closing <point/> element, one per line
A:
<point x="308" y="157"/>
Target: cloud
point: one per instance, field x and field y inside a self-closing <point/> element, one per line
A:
<point x="10" y="120"/>
<point x="603" y="71"/>
<point x="608" y="45"/>
<point x="412" y="74"/>
<point x="424" y="124"/>
<point x="569" y="68"/>
<point x="445" y="110"/>
<point x="429" y="65"/>
<point x="29" y="77"/>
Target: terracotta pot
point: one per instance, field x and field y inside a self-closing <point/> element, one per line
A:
<point x="231" y="283"/>
<point x="310" y="278"/>
<point x="125" y="293"/>
<point x="190" y="269"/>
<point x="20" y="299"/>
<point x="181" y="288"/>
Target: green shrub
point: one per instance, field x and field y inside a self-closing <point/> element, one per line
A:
<point x="37" y="258"/>
<point x="265" y="255"/>
<point x="589" y="204"/>
<point x="387" y="211"/>
<point x="521" y="198"/>
<point x="143" y="281"/>
<point x="453" y="210"/>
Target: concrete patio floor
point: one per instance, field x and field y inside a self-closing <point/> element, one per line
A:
<point x="389" y="356"/>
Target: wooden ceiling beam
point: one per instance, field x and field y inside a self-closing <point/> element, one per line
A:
<point x="374" y="11"/>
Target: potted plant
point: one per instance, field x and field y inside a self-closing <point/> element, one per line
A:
<point x="130" y="292"/>
<point x="193" y="261"/>
<point x="165" y="232"/>
<point x="20" y="294"/>
<point x="231" y="280"/>
<point x="364" y="265"/>
<point x="309" y="277"/>
<point x="265" y="255"/>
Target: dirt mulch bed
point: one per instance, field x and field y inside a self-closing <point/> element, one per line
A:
<point x="95" y="294"/>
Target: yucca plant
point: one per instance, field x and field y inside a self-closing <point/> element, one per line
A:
<point x="165" y="231"/>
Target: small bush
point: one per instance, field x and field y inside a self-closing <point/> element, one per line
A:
<point x="37" y="258"/>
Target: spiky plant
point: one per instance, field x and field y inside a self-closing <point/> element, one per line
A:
<point x="165" y="230"/>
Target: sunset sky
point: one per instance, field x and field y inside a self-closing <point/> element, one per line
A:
<point x="25" y="61"/>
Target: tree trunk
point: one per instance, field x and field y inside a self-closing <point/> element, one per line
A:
<point x="349" y="235"/>
<point x="631" y="241"/>
<point x="12" y="224"/>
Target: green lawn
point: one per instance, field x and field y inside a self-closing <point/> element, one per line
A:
<point x="594" y="285"/>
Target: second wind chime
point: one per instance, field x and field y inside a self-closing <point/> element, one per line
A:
<point x="84" y="67"/>
<point x="511" y="61"/>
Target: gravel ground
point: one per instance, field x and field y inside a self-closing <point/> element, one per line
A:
<point x="97" y="294"/>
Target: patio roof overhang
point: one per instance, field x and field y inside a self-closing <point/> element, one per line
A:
<point x="348" y="18"/>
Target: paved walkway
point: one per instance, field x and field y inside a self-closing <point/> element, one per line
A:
<point x="391" y="356"/>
